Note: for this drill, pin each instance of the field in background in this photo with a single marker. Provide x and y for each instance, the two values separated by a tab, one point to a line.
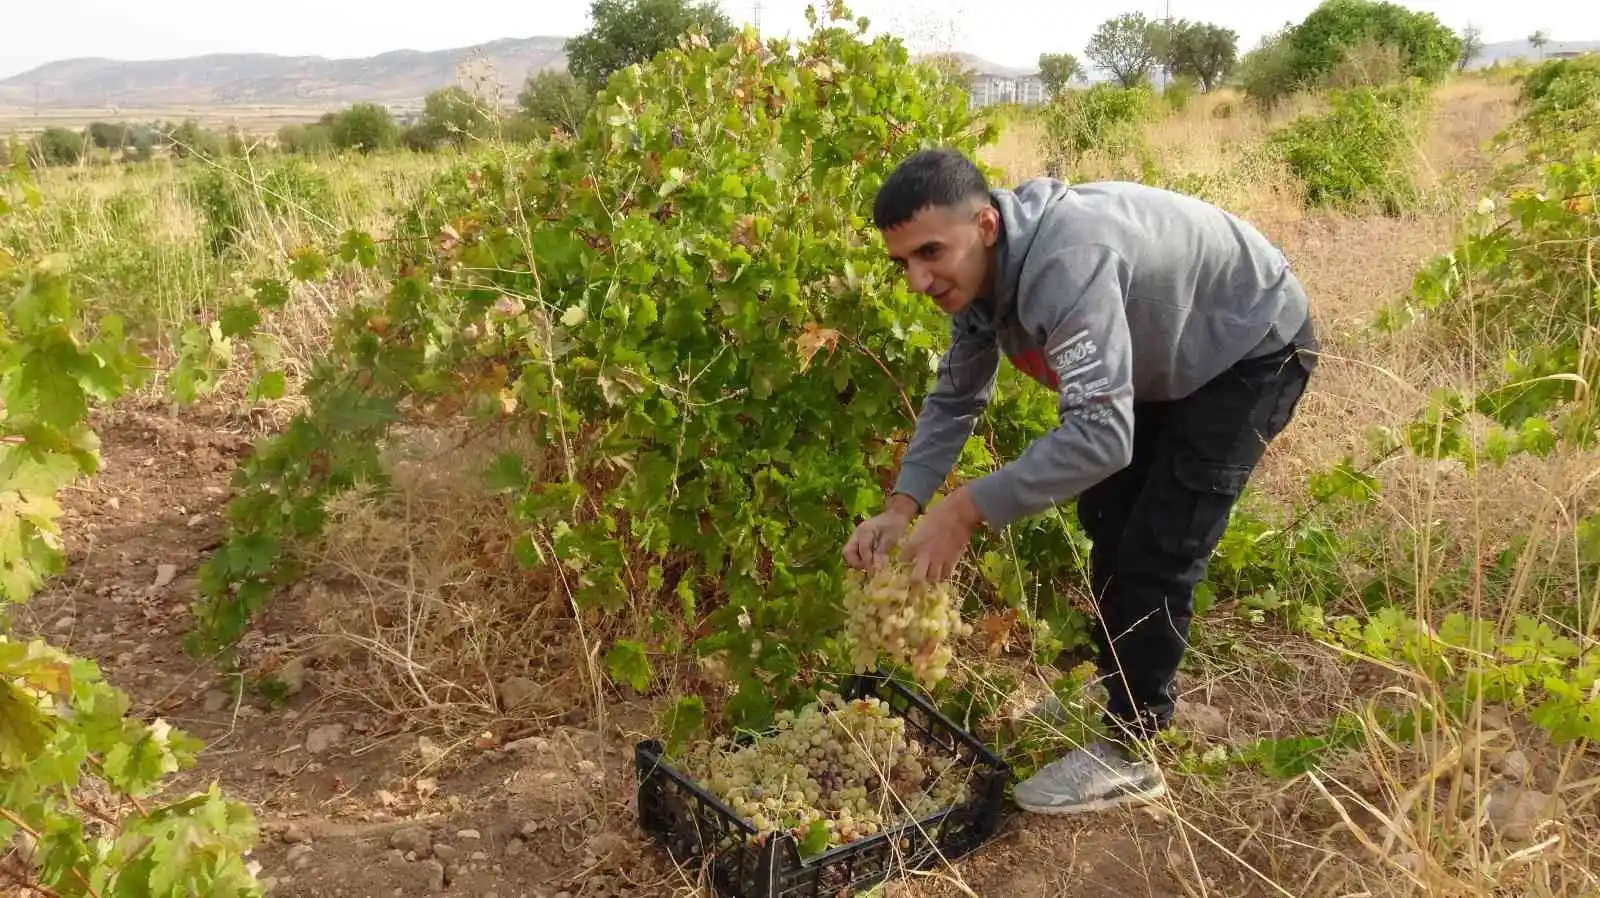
419	708
249	119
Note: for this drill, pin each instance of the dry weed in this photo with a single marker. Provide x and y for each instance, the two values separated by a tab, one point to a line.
424	611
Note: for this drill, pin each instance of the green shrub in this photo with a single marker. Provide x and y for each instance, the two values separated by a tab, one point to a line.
1428	49
1560	81
1356	152
1104	118
367	127
1266	74
1562	99
1179	93
58	146
315	139
236	197
554	99
521	129
420	139
190	139
1368	63
1349	43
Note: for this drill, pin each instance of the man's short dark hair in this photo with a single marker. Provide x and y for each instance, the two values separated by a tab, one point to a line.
938	177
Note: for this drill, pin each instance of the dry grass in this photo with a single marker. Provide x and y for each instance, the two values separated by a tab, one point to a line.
1470	113
138	238
420	607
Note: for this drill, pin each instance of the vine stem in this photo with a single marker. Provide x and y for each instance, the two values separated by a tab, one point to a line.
19	823
911	410
100	768
23	878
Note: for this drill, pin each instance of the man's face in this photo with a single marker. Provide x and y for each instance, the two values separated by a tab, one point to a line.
944	251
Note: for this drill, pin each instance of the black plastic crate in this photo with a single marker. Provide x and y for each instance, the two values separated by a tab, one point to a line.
692	823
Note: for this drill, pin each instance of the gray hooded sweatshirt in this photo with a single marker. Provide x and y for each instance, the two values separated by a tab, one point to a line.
1109	293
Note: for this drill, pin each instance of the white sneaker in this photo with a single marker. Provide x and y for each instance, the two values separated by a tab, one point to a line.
1095	778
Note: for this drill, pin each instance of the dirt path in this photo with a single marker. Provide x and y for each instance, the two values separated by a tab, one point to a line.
353	803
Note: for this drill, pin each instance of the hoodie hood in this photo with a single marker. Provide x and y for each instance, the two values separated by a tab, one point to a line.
1021	211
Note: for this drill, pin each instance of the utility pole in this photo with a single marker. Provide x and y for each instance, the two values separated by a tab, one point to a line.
755	14
1166	66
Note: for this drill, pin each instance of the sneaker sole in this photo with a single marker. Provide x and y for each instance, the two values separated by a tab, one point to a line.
1099	804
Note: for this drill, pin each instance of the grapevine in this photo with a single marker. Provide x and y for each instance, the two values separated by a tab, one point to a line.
843	768
889	614
80	780
686	307
1533	241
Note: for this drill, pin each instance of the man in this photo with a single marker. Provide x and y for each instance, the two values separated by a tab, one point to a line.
1179	343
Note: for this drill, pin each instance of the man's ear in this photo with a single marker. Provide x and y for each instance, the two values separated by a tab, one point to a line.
989	224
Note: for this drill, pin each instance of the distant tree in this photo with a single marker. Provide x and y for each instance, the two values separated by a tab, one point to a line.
1125	46
554	99
1200	50
1428	50
367	127
58	146
1539	39
190	139
1471	47
521	129
315	139
625	32
419	139
1057	70
235	143
142	149
452	115
110	135
1267	73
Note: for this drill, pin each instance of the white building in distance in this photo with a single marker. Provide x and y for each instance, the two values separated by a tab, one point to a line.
992	84
990	88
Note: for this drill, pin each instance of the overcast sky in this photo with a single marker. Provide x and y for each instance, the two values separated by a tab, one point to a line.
1010	32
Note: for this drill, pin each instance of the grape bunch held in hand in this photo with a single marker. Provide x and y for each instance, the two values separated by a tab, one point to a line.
890	614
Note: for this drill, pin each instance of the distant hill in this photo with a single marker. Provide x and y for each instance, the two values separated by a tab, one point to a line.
1508	51
982	66
402	77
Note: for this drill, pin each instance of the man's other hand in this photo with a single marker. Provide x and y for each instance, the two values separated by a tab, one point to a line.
869	546
942	537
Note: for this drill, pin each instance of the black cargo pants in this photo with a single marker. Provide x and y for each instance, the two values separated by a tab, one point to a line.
1155	523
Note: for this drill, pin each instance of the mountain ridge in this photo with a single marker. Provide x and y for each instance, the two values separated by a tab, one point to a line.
400	77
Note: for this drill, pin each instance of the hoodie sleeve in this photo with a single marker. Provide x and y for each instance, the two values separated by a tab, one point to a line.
965	383
1075	298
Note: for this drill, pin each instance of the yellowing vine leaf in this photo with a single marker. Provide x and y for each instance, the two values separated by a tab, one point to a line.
812	340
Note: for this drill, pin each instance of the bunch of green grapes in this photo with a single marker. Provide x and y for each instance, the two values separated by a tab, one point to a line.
890	615
841	769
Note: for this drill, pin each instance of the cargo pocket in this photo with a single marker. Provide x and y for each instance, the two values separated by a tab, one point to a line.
1205	494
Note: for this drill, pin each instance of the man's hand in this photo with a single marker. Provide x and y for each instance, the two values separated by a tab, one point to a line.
869	546
942	537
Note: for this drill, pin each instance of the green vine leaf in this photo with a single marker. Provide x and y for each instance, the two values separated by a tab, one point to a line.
629	664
